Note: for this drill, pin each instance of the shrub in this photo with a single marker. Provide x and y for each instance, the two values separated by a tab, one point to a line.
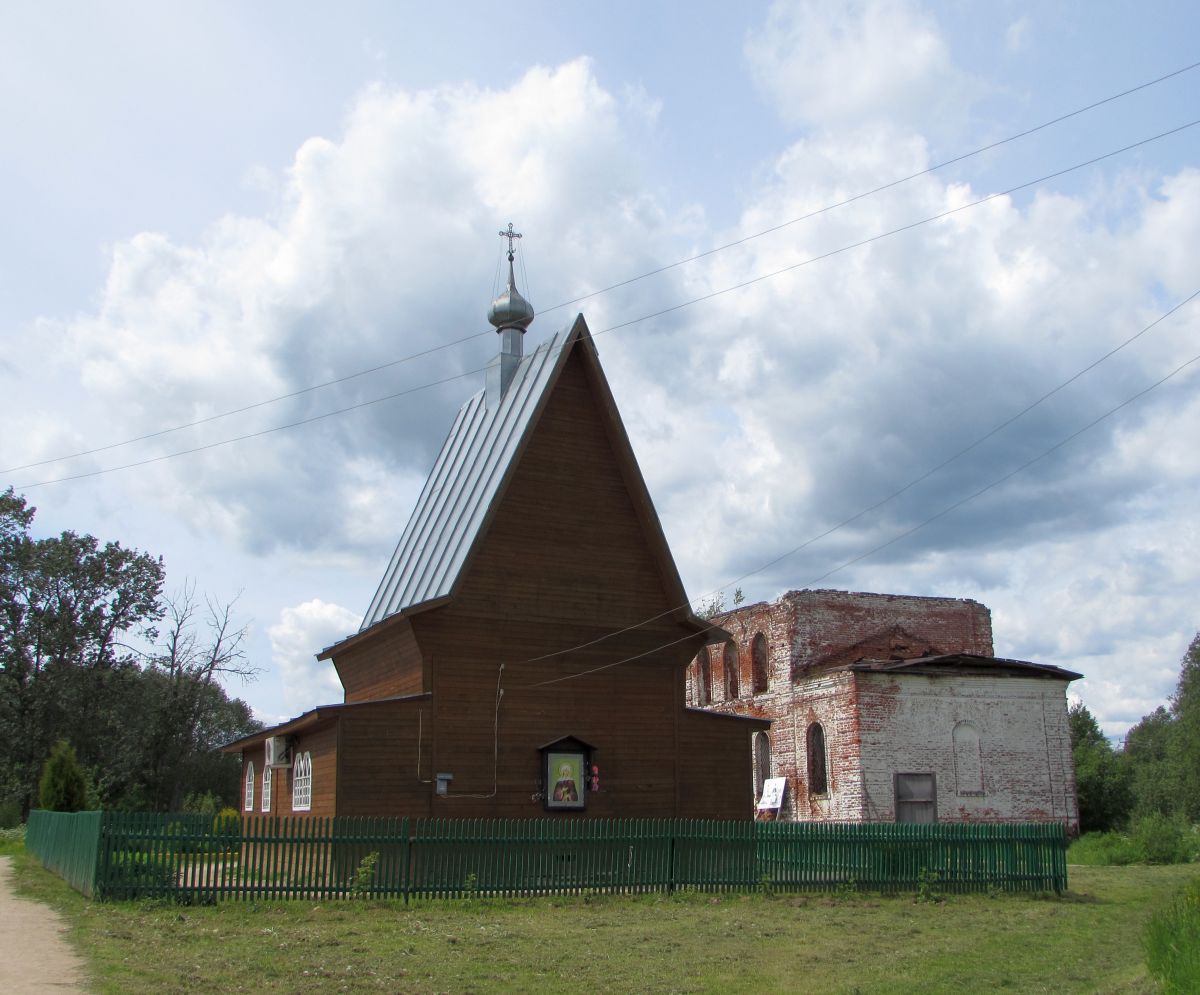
207	803
12	839
132	874
1103	849
1164	839
1172	943
63	787
10	813
364	875
228	821
1153	839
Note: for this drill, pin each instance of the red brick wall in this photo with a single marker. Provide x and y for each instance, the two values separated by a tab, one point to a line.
829	622
810	636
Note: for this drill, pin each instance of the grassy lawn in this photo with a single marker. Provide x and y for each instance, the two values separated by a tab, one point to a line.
1087	941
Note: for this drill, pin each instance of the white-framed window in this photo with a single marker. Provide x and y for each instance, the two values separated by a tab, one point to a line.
302	782
266	789
248	801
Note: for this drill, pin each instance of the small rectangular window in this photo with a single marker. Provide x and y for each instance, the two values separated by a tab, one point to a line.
916	798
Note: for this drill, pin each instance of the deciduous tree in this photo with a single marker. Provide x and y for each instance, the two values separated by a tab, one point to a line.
75	618
1101	778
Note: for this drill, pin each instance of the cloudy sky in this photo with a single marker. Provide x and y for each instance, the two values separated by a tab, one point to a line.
211	205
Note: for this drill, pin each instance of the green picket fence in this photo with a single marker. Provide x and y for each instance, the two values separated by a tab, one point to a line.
66	843
115	855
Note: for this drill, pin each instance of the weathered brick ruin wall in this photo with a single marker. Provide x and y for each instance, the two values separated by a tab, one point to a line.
802	629
773	622
828	622
828	699
907	726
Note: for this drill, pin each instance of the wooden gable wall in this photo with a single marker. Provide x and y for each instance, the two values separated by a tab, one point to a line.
565	541
566	559
388	664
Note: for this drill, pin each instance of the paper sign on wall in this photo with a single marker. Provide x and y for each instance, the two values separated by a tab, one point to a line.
772	796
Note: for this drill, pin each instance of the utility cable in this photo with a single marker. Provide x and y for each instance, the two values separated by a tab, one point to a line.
623	283
253	435
879	189
645	317
251	407
907	532
880	503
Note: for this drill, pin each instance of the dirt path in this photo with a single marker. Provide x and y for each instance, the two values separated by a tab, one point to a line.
36	958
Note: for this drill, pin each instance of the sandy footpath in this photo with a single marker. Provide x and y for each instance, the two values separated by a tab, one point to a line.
34	956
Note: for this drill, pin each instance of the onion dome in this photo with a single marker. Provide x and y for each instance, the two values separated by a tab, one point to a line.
510	309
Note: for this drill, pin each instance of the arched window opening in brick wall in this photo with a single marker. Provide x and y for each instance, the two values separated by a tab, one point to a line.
762	763
758	663
818	776
968	762
248	800
731	671
703	677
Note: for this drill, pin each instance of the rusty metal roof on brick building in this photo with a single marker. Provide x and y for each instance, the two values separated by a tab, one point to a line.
964	662
463	483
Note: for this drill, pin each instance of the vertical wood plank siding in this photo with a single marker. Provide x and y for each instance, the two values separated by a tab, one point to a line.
193	859
564	561
391	664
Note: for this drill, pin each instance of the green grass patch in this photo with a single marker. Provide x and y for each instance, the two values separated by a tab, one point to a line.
1152	839
1104	850
1086	941
1173	943
12	840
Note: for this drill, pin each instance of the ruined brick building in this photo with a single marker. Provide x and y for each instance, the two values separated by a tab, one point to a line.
892	708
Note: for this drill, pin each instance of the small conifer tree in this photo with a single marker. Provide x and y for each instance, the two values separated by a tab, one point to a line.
63	787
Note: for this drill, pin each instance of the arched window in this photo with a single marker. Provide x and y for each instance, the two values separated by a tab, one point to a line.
758	662
731	671
818	777
762	763
248	800
703	677
968	763
302	782
266	792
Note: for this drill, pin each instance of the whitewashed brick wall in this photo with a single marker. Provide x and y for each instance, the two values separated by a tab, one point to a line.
907	724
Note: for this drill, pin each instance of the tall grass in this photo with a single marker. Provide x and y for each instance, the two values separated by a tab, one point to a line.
1173	943
1152	839
12	840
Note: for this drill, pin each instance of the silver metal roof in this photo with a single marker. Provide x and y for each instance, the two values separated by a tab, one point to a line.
462	486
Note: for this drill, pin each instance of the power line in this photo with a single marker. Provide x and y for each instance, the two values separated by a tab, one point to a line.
879	189
907	532
253	435
883	501
646	317
654	272
654	314
250	407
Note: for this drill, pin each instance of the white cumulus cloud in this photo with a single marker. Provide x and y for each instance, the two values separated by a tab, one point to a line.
301	632
851	60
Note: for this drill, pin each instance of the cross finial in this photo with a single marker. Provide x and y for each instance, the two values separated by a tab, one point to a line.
510	235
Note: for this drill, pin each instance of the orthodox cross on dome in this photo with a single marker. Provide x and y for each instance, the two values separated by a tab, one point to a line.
510	235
